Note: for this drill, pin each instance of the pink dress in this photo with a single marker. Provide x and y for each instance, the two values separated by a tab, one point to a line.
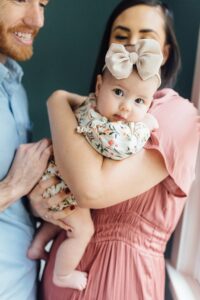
124	259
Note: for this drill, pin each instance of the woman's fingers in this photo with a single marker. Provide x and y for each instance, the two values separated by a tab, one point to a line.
57	200
42	206
56	218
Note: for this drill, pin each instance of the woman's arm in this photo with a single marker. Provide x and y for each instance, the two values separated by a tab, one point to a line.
95	181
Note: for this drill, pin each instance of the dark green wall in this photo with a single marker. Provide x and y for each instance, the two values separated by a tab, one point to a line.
187	21
65	53
66	49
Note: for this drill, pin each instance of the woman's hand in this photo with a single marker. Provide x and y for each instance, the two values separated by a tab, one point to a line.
40	205
28	166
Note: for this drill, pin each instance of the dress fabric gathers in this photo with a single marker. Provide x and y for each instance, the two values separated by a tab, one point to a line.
124	259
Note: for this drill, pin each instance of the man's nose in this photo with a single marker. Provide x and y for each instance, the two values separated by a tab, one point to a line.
34	16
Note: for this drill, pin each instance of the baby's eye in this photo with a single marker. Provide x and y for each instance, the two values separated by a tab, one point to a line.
139	101
118	92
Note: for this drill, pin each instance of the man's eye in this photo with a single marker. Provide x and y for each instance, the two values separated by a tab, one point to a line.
139	101
119	92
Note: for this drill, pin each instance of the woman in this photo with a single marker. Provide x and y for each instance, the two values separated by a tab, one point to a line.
127	26
124	259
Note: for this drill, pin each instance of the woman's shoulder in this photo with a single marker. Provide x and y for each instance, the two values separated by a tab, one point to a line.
169	107
168	98
177	119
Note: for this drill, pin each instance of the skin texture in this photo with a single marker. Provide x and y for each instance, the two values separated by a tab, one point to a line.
101	172
20	22
134	27
117	100
21	17
39	206
131	25
90	193
22	176
123	100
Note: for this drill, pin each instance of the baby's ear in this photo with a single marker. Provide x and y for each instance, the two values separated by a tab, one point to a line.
98	85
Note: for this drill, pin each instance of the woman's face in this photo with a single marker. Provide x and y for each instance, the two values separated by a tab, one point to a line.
140	22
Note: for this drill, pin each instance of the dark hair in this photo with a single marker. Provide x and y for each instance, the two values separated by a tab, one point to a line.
170	69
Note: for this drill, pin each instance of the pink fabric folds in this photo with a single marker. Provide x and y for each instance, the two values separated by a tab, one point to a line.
124	259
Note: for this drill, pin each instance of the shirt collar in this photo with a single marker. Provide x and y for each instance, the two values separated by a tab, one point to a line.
11	69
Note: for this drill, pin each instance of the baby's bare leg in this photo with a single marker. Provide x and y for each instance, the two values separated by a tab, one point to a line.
46	232
71	250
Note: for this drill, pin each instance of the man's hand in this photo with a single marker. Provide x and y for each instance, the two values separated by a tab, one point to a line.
27	168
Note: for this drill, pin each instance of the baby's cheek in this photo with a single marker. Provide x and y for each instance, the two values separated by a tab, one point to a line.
139	115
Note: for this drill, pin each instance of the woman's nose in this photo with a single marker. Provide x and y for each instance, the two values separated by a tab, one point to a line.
131	42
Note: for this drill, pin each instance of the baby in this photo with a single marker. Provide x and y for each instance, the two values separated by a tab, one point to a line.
116	122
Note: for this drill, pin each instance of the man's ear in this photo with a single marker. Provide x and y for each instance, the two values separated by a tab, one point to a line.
98	85
166	53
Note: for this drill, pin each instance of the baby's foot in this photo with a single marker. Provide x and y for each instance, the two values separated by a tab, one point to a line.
75	280
36	252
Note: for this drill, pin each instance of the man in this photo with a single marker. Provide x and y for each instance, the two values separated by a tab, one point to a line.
21	164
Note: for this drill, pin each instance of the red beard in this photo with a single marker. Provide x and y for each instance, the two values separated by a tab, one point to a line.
11	48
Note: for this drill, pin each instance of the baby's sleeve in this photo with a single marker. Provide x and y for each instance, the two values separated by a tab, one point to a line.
177	141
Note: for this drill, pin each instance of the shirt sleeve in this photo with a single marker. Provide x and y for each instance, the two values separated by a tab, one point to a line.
177	141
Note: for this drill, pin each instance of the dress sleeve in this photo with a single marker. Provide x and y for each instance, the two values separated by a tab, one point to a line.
177	140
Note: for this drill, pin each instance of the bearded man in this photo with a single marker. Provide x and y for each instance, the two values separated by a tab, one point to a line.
21	164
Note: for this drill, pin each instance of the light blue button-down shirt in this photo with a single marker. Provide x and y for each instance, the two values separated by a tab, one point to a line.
17	273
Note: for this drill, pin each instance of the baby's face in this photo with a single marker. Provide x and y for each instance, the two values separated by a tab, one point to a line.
125	100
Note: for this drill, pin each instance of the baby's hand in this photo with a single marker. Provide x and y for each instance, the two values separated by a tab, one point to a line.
150	122
75	100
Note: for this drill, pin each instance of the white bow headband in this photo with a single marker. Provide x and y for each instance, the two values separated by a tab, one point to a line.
146	55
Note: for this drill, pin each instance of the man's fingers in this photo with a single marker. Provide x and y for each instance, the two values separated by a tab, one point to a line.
43	144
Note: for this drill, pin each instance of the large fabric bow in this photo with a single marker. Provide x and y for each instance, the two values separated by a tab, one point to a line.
146	55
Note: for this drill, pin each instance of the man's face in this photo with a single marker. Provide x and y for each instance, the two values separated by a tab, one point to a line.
20	21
